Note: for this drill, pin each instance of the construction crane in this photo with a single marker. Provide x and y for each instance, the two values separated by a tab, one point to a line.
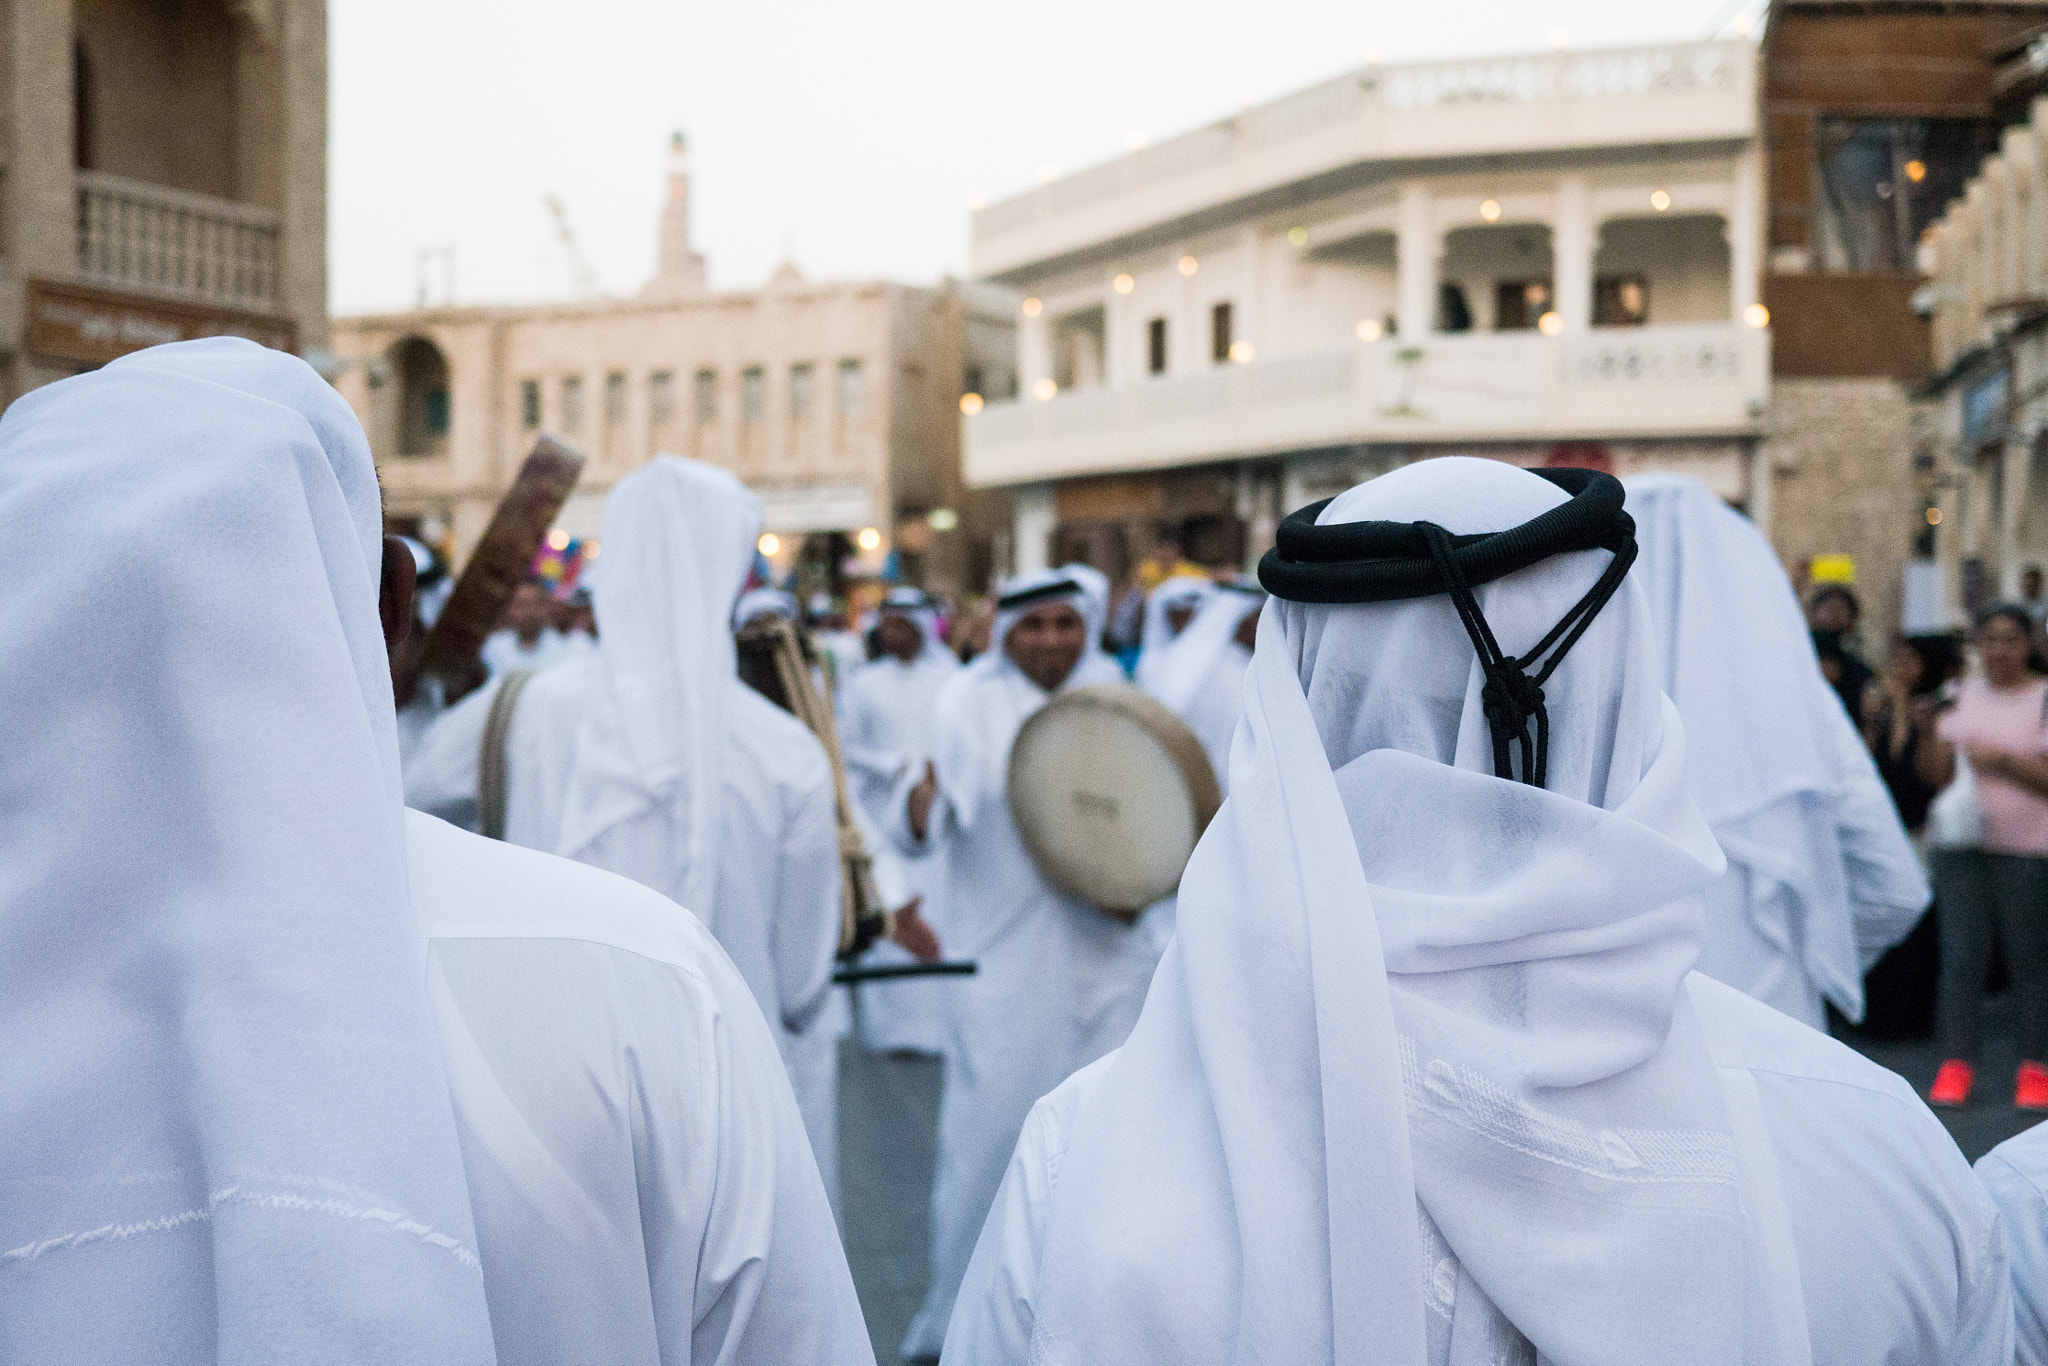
587	286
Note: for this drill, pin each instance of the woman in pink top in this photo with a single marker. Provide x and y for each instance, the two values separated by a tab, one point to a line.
2000	722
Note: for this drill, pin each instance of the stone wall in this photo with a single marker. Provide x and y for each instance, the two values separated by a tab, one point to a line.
1840	452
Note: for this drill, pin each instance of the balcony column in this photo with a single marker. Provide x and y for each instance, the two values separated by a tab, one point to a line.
1032	517
1744	230
1417	249
1034	352
1117	339
1251	291
1573	240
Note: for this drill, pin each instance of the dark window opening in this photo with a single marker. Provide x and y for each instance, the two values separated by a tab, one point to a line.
1220	333
529	403
1621	301
82	123
1517	304
1881	183
423	404
1453	314
1155	347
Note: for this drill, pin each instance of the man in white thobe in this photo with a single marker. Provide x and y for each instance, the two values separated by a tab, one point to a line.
654	760
1199	675
528	639
886	709
1425	1079
2016	1174
358	1088
1168	610
1059	982
1821	878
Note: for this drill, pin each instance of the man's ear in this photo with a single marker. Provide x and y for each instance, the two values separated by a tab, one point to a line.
395	593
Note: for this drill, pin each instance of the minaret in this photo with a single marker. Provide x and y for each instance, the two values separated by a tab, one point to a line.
680	270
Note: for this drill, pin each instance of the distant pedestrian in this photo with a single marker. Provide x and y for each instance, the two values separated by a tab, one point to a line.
1995	739
1899	722
1832	613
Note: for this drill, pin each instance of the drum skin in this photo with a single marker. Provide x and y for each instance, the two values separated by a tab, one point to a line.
1110	791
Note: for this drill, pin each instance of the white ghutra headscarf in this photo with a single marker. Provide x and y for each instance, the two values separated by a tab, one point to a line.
1418	1079
225	1133
678	545
1771	738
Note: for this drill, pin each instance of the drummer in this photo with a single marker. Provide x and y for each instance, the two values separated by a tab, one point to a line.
1059	982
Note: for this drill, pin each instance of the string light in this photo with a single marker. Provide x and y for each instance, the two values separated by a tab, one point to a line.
1298	236
1241	352
1187	265
770	544
970	404
1550	324
1044	390
868	539
1123	284
1033	307
1369	330
1489	209
1660	200
1756	315
558	539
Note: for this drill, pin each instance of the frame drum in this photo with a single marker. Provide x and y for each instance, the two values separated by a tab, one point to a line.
1110	791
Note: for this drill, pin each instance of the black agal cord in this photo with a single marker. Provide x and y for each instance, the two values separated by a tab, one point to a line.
1358	562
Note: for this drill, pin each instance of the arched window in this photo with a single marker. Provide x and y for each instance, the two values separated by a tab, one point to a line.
422	374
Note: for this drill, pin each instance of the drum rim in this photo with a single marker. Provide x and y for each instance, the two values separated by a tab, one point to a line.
1158	721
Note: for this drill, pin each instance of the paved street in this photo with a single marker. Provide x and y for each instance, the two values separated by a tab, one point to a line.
888	1120
1990	1119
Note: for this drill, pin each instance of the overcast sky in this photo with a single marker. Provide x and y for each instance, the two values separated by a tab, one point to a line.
847	135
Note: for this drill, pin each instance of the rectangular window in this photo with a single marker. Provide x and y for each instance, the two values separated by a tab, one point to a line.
707	396
572	403
529	404
853	394
661	397
1155	347
800	386
615	399
1881	182
1220	336
753	393
1517	304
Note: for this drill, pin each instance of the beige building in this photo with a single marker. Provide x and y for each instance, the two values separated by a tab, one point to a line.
837	402
1548	259
1984	419
165	175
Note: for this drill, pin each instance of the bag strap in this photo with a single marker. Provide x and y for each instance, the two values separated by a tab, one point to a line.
490	767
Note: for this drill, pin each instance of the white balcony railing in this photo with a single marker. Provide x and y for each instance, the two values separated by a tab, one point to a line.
1707	379
157	240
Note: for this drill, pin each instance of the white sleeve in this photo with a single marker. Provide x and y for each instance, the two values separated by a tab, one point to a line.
768	1281
996	1308
2023	1213
1887	887
441	777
